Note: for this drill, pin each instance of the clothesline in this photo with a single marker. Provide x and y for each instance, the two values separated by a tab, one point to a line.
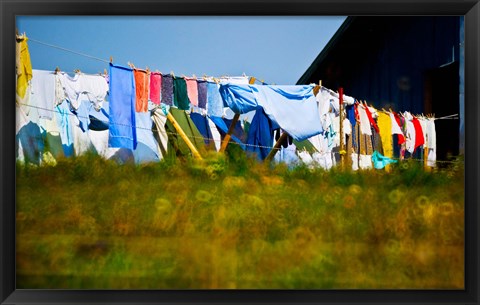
448	117
200	138
106	61
68	50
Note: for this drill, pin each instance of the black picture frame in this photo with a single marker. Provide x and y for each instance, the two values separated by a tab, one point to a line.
11	8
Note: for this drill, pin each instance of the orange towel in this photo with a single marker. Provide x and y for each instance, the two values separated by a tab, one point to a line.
141	89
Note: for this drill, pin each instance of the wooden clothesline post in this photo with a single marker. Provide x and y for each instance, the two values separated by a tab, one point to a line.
276	147
185	138
226	140
342	148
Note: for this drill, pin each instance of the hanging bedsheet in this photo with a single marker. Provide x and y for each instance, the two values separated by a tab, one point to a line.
293	108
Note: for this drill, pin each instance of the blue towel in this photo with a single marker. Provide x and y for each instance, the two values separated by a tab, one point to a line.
122	131
380	161
293	108
350	109
63	116
214	100
201	123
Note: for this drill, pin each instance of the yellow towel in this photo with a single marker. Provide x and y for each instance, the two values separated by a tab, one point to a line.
24	67
385	125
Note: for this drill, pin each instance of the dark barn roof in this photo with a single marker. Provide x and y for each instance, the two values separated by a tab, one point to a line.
384	59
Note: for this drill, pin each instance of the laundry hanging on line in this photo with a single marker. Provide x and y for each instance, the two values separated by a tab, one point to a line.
184	98
330	131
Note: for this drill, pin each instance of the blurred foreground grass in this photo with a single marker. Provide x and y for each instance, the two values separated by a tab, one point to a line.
90	223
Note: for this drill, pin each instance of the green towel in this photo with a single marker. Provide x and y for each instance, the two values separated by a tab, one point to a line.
180	96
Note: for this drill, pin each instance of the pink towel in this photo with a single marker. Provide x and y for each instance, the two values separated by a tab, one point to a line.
192	90
155	85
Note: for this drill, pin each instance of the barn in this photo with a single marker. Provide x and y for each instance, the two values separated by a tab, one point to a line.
406	63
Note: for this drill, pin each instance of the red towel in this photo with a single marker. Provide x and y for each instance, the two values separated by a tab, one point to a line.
419	138
372	121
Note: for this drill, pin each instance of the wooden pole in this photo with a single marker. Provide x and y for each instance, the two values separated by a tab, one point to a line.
276	147
226	140
342	147
179	129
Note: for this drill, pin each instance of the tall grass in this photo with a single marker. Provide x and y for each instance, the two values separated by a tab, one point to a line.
231	222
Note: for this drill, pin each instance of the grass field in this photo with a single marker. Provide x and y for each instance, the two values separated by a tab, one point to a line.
90	223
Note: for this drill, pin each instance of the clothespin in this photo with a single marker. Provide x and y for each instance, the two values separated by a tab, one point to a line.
77	71
320	83
104	71
194	76
20	37
252	80
172	74
57	69
111	59
148	70
131	65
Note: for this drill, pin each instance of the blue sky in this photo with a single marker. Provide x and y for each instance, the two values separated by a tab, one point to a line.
275	49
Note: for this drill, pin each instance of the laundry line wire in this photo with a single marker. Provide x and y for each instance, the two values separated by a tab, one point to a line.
448	117
100	59
201	138
68	50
